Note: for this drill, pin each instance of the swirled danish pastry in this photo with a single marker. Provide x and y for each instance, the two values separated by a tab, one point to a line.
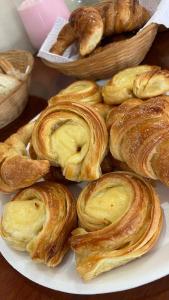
119	220
72	136
83	91
17	170
122	86
39	220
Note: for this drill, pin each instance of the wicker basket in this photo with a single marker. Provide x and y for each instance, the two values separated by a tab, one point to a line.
121	54
12	105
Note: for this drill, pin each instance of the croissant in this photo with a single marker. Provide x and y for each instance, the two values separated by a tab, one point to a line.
90	24
72	136
16	169
139	136
83	91
39	220
119	220
120	87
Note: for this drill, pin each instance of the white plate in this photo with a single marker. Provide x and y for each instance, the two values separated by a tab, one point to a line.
149	267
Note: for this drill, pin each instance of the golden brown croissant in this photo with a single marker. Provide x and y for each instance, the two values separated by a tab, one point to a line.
72	136
139	136
119	220
120	87
90	24
16	169
83	91
39	220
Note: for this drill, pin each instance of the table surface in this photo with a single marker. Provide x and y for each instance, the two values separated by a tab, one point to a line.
14	286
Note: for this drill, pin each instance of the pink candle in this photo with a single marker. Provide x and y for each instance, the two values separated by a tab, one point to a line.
38	17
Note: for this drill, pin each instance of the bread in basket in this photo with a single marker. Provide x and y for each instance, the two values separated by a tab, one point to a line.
13	103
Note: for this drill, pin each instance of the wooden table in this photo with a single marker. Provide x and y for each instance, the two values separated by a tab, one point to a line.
14	286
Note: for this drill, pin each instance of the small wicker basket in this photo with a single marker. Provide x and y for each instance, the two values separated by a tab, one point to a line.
118	56
12	105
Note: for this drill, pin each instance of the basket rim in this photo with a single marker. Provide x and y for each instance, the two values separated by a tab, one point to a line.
86	60
13	92
18	52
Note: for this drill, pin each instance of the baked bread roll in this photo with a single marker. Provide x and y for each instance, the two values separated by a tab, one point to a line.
88	25
8	84
83	91
72	136
17	170
139	136
120	87
39	220
119	220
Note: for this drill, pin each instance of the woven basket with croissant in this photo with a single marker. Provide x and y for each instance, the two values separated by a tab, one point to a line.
116	21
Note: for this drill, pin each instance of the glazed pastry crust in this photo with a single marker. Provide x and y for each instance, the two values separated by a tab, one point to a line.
17	170
82	91
90	24
71	135
120	87
112	233
139	137
49	243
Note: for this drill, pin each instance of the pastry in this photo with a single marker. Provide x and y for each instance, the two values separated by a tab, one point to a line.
139	136
72	136
39	220
120	87
89	25
119	220
8	84
17	170
9	69
151	84
103	109
127	105
83	91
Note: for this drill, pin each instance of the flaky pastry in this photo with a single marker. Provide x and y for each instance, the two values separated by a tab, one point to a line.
39	220
119	220
120	87
83	91
17	170
88	25
139	136
72	136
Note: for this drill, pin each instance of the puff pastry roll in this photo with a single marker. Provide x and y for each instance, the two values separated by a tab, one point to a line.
39	220
120	87
72	136
17	170
83	91
151	84
119	220
139	136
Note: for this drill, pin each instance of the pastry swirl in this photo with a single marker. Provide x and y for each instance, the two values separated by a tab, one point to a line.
120	87
119	220
72	136
17	170
139	136
39	220
83	91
